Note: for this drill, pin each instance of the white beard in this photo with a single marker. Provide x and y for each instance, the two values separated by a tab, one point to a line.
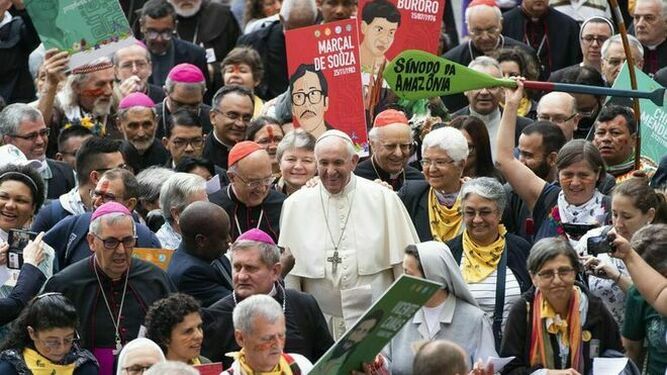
101	108
188	12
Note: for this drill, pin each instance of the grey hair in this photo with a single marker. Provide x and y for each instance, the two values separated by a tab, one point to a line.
650	243
485	62
169	86
270	254
258	305
95	226
616	38
67	96
114	56
549	248
661	2
288	6
487	188
176	192
14	114
295	140
447	139
469	10
171	368
150	182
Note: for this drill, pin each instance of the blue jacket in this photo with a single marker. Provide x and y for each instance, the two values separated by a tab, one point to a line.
48	216
68	239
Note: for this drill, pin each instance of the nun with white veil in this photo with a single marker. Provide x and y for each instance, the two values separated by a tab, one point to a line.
138	356
452	313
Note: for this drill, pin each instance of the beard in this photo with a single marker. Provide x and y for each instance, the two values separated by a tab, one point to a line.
102	107
188	12
143	144
542	170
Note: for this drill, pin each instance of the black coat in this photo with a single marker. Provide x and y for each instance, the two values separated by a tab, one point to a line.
463	54
269	42
247	217
518	329
186	52
216	152
18	39
156	154
414	195
367	170
307	332
562	40
517	253
62	180
164	117
199	278
660	177
29	283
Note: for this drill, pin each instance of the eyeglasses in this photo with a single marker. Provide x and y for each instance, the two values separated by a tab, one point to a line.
235	116
164	34
479	32
55	344
103	195
563	273
33	136
439	163
314	97
128	65
556	119
256	184
196	142
391	147
136	369
589	39
482	213
111	243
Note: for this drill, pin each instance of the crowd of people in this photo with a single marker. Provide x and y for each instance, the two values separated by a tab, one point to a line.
178	215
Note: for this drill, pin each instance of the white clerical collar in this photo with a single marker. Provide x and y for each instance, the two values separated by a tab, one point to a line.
490	118
7	18
219	141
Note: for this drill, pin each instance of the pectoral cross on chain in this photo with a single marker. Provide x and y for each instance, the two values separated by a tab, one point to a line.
335	260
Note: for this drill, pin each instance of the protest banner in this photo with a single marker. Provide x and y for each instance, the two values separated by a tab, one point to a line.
324	60
159	257
377	326
418	75
388	27
87	29
653	117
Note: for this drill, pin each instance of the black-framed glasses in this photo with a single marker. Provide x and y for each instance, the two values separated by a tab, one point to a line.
556	119
111	243
255	184
563	273
33	136
103	195
164	34
313	96
594	38
196	142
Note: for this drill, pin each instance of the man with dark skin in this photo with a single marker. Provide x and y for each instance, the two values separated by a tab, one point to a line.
199	266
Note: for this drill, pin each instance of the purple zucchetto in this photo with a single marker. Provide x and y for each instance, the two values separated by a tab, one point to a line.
257	235
136	99
109	208
186	73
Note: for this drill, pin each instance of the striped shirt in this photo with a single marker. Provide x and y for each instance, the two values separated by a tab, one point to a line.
485	294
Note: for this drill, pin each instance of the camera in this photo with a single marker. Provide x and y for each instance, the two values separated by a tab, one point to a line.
18	240
602	243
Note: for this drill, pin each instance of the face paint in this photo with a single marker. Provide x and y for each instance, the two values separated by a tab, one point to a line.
269	130
93	92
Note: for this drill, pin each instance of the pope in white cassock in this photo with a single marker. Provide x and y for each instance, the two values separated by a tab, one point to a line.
347	235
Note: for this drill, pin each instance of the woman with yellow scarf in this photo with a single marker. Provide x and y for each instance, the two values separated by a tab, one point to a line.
557	325
492	261
43	341
259	329
435	205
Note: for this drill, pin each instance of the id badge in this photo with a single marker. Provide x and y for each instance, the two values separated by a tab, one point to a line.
210	56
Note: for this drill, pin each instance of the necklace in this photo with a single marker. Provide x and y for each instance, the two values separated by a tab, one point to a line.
279	286
335	259
116	322
236	219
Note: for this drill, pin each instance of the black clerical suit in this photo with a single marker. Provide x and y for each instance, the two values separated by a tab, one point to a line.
62	179
216	152
269	42
164	117
307	332
244	218
371	171
156	154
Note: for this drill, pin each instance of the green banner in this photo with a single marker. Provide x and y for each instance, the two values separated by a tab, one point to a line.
417	75
377	326
653	118
87	29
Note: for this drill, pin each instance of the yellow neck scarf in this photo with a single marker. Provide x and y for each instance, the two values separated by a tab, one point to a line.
445	222
195	361
40	365
282	368
480	261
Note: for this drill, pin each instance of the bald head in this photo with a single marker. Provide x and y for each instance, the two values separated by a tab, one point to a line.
205	229
298	13
561	109
440	357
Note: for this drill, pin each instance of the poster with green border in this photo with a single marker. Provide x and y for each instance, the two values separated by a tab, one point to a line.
87	29
653	119
377	326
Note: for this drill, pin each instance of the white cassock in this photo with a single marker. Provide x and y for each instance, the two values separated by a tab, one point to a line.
371	246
